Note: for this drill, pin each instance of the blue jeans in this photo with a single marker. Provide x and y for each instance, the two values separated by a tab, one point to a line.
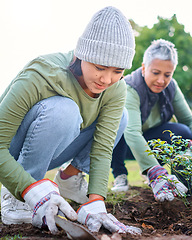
123	152
50	135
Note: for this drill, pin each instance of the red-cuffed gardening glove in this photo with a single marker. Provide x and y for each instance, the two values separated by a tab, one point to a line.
94	215
44	198
164	186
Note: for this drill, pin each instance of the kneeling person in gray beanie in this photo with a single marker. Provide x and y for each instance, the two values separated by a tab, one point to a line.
66	107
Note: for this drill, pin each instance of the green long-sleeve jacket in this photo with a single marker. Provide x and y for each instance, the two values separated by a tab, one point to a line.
48	76
134	131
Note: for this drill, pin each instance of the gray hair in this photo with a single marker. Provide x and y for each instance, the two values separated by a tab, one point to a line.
160	49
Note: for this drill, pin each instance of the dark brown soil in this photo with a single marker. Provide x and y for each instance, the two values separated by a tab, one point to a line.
158	221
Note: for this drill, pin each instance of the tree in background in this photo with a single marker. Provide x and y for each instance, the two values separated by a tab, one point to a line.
171	30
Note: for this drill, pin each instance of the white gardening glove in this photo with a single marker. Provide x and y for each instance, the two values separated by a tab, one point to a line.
164	186
94	215
44	198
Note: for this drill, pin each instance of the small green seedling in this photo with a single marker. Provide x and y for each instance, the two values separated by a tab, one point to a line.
177	155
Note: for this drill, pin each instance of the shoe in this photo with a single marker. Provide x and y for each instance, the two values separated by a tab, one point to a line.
120	184
14	211
74	188
145	179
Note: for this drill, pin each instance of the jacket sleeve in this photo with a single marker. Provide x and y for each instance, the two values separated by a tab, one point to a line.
104	138
133	133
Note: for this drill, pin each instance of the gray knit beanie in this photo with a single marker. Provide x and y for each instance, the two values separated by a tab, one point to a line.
108	40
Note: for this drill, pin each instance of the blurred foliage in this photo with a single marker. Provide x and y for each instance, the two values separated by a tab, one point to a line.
171	30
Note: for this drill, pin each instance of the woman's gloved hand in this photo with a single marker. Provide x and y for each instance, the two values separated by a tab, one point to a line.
44	198
164	186
94	215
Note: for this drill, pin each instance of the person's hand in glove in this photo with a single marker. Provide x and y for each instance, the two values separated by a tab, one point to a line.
164	186
44	198
93	214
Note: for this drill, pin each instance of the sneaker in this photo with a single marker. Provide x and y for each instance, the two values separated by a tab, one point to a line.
120	184
145	179
14	211
74	188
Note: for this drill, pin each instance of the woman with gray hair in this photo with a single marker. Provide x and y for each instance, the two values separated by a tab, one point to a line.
153	97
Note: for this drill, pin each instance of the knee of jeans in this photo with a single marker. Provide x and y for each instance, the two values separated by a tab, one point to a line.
63	114
186	132
181	129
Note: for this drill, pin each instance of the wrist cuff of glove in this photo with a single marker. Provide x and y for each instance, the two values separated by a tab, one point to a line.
190	144
92	207
38	191
156	171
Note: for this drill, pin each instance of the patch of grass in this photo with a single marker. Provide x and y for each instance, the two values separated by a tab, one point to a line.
113	197
16	237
